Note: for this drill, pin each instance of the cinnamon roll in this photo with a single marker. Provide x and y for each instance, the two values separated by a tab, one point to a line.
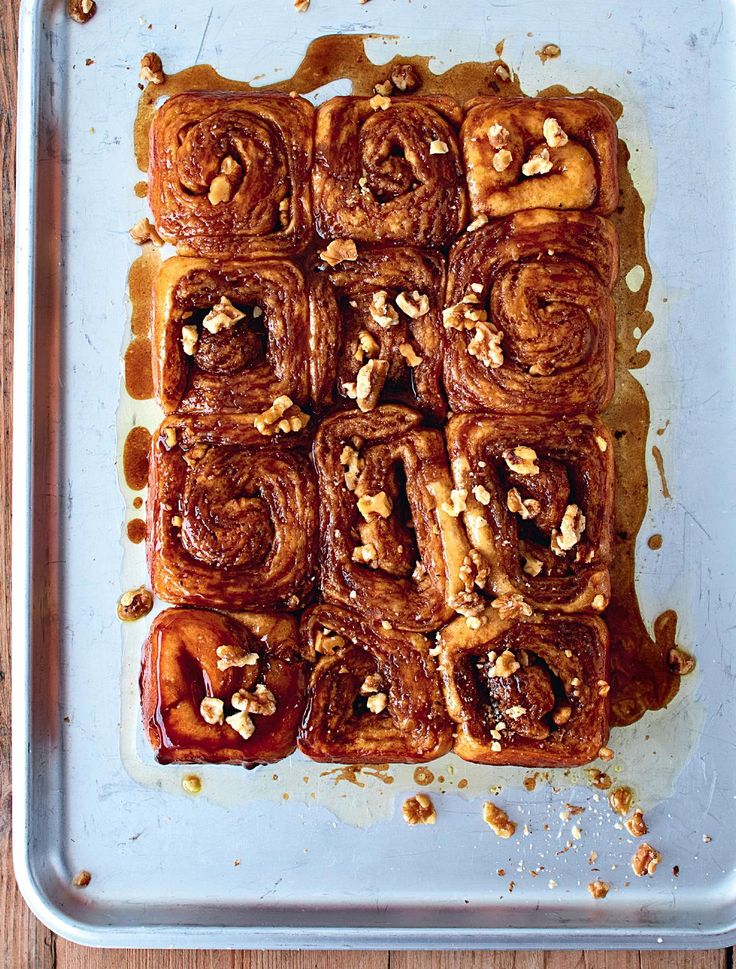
225	689
538	496
374	695
530	321
389	170
232	514
229	173
393	547
539	153
377	329
229	337
531	692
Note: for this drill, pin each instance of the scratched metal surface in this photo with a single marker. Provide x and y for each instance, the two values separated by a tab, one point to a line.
162	863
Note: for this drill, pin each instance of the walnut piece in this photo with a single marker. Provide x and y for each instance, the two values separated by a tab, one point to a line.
530	565
478	222
502	159
438	147
571	528
605	753
414	304
152	70
599	889
82	877
135	604
380	102
485	346
371	684
189	338
353	464
212	710
466	314
261	701
81	10
382	312
505	665
366	554
242	724
222	316
170	438
553	133
561	715
498	136
512	606
367	346
538	164
404	77
339	250
234	656
636	825
384	87
407	352
419	810
376	703
680	662
482	494
620	800
524	508
326	642
522	460
497	819
145	231
221	190
456	504
282	416
369	383
371	505
645	860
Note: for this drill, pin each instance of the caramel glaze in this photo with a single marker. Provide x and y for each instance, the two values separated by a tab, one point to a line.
641	679
135	458
137	530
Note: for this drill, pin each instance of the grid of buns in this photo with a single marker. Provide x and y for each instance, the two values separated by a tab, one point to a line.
381	499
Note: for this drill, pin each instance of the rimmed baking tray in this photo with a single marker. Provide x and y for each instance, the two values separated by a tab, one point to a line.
163	864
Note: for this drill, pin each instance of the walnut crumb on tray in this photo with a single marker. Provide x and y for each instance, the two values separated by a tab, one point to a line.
497	819
419	810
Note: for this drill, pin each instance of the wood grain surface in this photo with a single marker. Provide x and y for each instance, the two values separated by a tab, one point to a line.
24	942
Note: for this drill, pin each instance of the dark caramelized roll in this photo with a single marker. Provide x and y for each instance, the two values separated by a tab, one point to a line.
229	173
222	689
392	547
539	507
374	695
385	307
530	321
530	692
539	153
389	170
229	337
232	515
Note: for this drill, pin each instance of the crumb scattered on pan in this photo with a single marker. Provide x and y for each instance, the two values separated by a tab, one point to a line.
636	825
152	69
598	889
599	778
81	10
82	879
419	810
498	820
548	52
620	800
191	784
145	231
134	604
645	860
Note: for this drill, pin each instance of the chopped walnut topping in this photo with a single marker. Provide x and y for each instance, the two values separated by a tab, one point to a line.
261	701
222	316
478	222
382	311
177	521
221	190
553	133
512	606
134	604
377	702
384	87
473	622
189	338
301	5
353	464
636	825
497	819
645	860
372	684
283	416
404	77
438	147
366	554
234	656
339	250
502	159
680	662
485	346
538	164
524	508
407	352
368	346
599	889
473	571
522	460
505	665
562	715
605	753
371	505
380	102
482	495
81	10
169	437
498	136
212	710
464	315
599	602
145	231
284	213
514	712
530	565
414	304
620	800
602	443
419	810
502	72
152	70
326	642
604	688
571	528
369	383
456	504
242	724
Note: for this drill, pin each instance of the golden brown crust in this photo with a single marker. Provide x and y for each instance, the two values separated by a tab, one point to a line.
237	369
410	194
529	692
229	173
415	579
368	661
584	172
341	299
232	515
544	279
180	668
575	469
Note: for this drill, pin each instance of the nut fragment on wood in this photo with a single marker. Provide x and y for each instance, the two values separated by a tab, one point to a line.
419	810
81	10
152	69
134	604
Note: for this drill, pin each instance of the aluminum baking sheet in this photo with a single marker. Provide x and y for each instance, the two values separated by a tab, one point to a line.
334	865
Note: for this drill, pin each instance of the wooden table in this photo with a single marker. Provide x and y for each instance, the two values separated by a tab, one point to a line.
24	942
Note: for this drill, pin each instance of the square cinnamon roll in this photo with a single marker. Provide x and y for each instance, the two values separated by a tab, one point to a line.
539	153
229	337
389	170
529	692
538	496
229	173
530	322
232	512
222	689
374	695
